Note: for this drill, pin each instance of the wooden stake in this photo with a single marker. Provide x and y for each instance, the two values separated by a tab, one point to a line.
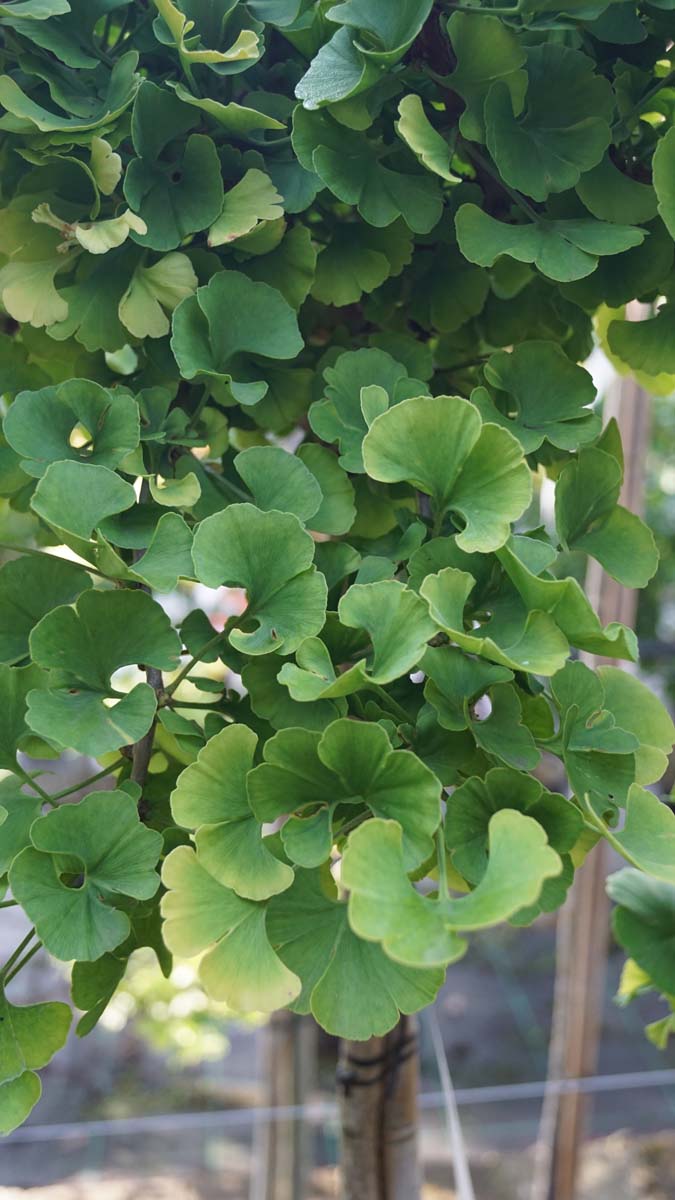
583	924
282	1147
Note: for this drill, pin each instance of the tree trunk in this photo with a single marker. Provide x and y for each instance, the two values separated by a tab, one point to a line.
377	1086
282	1150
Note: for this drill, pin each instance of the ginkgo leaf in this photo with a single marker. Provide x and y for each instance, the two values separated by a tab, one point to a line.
589	518
599	754
663	167
251	200
563	250
647	839
30	1035
644	923
200	914
350	986
83	856
637	709
382	31
486	50
545	395
30	588
16	684
279	480
155	291
418	931
75	497
270	555
83	646
336	512
349	764
20	811
570	608
426	143
338	72
536	645
350	165
439	445
260	322
548	148
210	797
339	417
473	804
77	420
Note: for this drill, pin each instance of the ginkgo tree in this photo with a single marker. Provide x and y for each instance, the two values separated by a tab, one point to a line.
294	298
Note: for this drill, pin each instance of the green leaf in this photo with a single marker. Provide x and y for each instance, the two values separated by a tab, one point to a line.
612	196
29	588
21	810
155	291
398	625
349	163
270	700
439	445
122	85
647	839
550	145
644	923
239	966
77	420
279	480
270	555
91	304
418	931
339	417
473	804
637	709
358	259
599	755
534	644
646	345
557	413
235	118
175	199
383	31
486	50
563	250
84	856
168	558
426	143
18	1098
75	497
663	167
210	797
30	1036
188	36
571	610
350	986
338	72
16	683
350	763
337	511
83	646
289	268
216	331
588	518
250	201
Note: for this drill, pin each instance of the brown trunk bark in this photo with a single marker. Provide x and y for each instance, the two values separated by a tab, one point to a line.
377	1086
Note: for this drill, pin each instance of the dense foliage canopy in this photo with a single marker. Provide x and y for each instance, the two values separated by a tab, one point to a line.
294	294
